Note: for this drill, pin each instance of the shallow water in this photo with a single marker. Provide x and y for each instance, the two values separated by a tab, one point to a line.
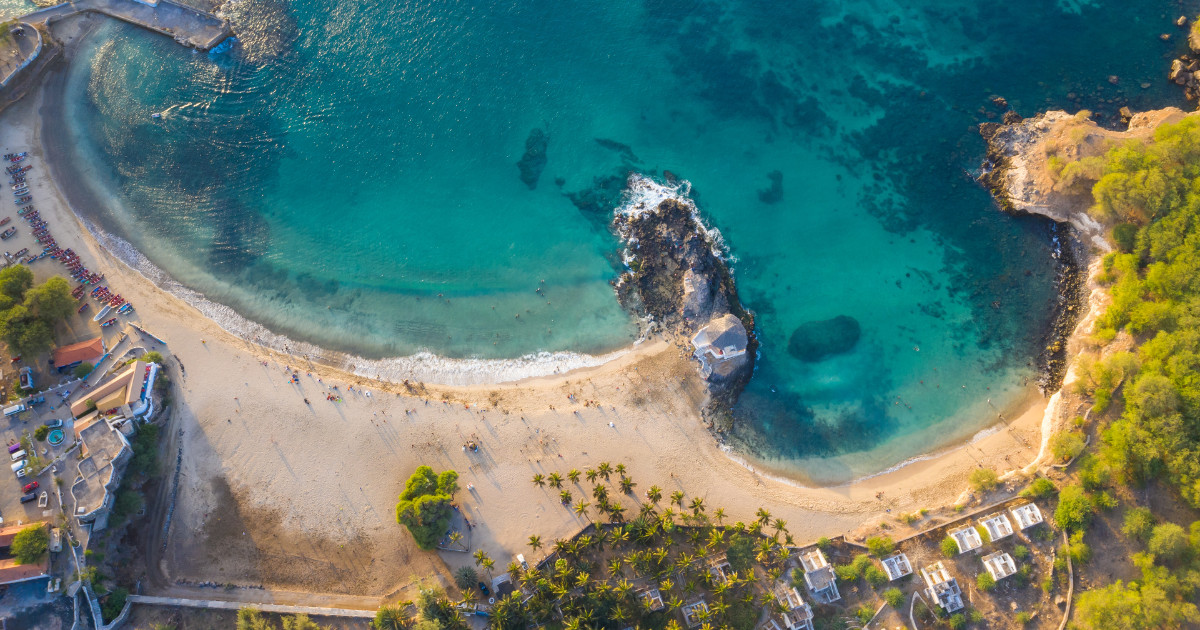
348	175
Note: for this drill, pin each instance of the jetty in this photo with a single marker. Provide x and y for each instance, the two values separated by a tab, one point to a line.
190	27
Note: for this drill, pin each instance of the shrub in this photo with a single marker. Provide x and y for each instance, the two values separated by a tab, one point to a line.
875	576
466	577
1040	488
112	603
390	618
1023	617
864	613
1104	501
880	546
1168	542
1066	445
1138	524
82	370
1074	509
949	547
1078	550
958	621
823	543
894	597
41	432
985	581
1020	552
984	479
153	357
424	506
1125	236
30	544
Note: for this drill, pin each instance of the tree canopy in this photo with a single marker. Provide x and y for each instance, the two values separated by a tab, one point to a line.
424	506
28	313
30	544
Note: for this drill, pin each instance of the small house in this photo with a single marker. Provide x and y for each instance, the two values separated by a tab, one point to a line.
819	576
1000	565
720	570
967	539
695	613
942	588
896	566
1027	515
651	598
997	526
797	614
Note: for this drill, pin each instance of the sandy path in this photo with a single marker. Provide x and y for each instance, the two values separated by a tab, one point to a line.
301	496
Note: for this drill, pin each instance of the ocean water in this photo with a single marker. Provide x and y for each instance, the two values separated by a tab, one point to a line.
389	178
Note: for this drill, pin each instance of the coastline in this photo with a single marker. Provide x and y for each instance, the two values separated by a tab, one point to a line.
647	416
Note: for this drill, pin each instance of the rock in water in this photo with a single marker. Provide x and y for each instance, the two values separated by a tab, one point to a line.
775	192
815	340
534	160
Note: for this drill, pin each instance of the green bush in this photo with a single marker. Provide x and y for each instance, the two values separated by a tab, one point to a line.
1078	550
864	613
1040	488
1168	542
880	546
424	506
894	597
466	577
111	604
41	432
82	370
875	576
30	544
1023	618
1020	552
1138	524
984	480
1125	236
153	357
958	621
1066	445
985	581
1074	509
949	547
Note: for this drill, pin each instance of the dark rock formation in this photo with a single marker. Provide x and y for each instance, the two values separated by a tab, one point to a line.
678	278
775	192
818	339
623	149
533	162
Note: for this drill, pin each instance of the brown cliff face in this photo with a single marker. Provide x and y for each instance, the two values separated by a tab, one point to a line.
678	278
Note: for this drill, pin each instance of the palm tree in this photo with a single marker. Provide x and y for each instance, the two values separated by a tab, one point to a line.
390	618
719	515
488	563
697	505
535	542
763	515
539	480
620	469
600	493
555	480
677	498
654	494
591	475
604	470
779	525
455	536
581	508
565	497
627	485
573	475
480	556
674	603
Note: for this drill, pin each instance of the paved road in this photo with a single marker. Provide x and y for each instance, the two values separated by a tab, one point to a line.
274	608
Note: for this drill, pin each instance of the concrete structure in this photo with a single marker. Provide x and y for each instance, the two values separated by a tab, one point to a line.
10	571
27	45
719	570
967	538
694	613
999	565
104	451
127	394
897	566
1027	515
997	526
651	598
819	577
942	588
796	615
184	24
720	346
76	353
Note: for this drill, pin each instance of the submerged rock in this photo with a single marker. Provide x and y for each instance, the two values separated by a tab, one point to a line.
775	192
533	162
815	340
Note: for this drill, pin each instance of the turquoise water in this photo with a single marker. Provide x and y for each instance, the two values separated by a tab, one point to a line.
348	175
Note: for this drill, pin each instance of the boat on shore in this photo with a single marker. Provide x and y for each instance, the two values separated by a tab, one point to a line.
22	252
8	233
103	312
83	308
109	322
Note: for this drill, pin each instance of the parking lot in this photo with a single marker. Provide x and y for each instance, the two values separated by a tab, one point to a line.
12	428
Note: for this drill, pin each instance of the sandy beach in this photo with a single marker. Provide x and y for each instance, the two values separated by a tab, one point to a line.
301	497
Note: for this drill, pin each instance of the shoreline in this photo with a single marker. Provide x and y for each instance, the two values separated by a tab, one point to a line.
274	466
424	367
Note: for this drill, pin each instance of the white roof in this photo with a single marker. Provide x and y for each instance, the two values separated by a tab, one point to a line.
1000	565
1027	515
967	539
942	587
897	566
997	526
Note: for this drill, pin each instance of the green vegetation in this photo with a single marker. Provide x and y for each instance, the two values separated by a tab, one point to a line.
1074	510
111	604
30	544
1168	542
83	369
390	618
424	506
949	547
465	577
984	480
145	450
985	581
41	432
1040	488
153	357
251	619
28	313
880	546
894	597
1139	522
1066	445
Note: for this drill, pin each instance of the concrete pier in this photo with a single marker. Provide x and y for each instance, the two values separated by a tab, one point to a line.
185	25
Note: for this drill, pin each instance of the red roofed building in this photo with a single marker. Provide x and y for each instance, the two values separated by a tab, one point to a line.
77	353
10	571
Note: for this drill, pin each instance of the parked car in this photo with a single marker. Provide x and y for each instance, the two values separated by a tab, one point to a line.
53	424
21	473
482	588
30	487
26	498
37	401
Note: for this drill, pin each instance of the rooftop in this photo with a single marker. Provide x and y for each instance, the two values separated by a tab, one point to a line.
897	566
101	447
997	526
967	538
126	388
942	587
79	352
1027	515
1000	565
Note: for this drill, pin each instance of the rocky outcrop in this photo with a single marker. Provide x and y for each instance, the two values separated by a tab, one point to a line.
533	162
678	279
